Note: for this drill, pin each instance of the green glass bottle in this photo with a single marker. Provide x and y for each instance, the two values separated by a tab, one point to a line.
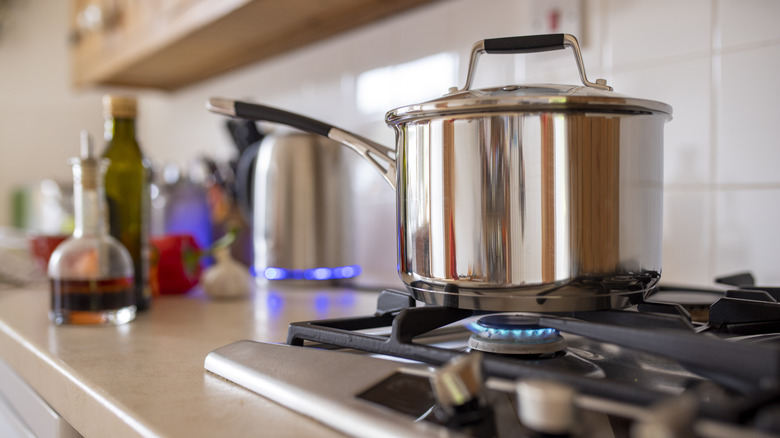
127	189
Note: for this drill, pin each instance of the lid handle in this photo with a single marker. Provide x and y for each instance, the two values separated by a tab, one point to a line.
531	44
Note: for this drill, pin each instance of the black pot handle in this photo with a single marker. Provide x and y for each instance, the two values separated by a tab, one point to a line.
530	44
525	44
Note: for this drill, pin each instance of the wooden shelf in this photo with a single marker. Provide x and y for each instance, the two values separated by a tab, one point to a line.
174	43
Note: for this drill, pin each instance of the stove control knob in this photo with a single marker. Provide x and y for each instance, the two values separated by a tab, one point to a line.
669	418
458	388
545	406
459	383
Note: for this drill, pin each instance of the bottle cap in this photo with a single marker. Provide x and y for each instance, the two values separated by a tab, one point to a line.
123	107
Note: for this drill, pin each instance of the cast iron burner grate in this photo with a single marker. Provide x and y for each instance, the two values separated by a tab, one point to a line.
749	370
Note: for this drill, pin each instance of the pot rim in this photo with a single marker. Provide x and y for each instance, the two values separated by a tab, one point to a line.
527	98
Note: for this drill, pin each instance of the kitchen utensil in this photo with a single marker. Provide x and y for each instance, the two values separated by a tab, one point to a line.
244	133
530	198
298	210
247	139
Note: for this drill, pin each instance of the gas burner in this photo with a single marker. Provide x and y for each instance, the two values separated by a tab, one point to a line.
514	334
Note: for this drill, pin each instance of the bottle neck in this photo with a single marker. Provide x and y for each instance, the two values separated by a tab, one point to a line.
88	205
119	128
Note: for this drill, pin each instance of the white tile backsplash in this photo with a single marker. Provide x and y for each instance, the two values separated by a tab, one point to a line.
748	149
374	232
747	236
641	31
558	68
714	61
748	22
687	230
685	85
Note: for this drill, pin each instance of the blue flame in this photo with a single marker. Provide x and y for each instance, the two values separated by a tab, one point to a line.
337	273
529	335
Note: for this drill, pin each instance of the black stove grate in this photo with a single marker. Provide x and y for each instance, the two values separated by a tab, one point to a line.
750	370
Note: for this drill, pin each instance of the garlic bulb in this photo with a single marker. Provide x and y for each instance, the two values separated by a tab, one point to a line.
226	278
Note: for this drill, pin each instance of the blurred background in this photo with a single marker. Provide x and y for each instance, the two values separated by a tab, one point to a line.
714	61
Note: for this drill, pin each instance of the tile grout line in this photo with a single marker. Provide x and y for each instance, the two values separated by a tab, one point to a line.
606	41
716	49
713	186
760	44
715	83
673	59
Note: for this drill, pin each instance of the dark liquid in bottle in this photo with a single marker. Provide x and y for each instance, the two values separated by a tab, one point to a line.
92	295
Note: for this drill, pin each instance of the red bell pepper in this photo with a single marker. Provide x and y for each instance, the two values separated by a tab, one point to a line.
178	266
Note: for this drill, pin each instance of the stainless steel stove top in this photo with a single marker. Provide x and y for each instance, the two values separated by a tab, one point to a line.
405	372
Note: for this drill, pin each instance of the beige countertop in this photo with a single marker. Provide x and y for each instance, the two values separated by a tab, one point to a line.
147	378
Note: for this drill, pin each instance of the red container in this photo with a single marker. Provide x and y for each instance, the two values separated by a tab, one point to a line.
175	264
41	247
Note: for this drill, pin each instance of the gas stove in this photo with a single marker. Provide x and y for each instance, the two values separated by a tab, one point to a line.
678	362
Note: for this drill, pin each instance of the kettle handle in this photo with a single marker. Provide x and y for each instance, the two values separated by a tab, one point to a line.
530	44
381	157
245	172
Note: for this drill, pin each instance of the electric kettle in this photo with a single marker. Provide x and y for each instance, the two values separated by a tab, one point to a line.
294	189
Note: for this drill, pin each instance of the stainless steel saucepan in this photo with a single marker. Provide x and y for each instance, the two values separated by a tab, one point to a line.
520	197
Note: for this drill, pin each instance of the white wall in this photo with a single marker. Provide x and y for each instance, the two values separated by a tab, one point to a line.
714	61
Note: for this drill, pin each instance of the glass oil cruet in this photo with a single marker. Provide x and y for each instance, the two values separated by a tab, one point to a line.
91	273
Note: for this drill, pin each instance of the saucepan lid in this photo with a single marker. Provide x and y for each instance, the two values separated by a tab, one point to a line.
591	96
